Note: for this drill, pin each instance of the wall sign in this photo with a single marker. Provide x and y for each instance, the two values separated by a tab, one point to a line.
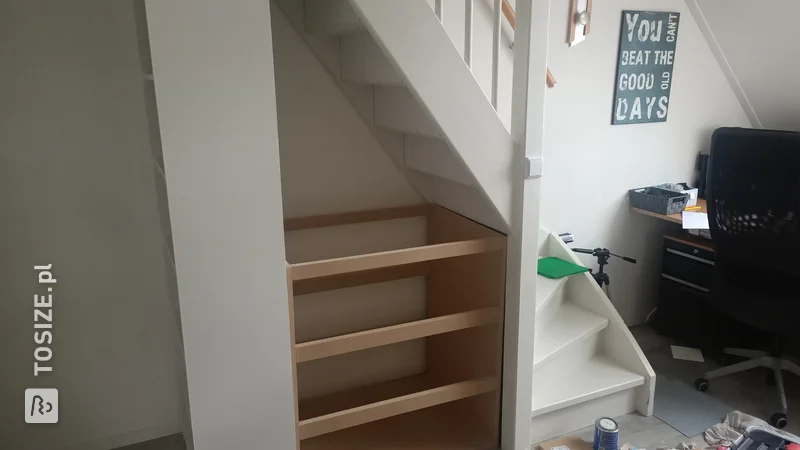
644	71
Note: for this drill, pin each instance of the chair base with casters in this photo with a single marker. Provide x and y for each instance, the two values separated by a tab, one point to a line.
757	359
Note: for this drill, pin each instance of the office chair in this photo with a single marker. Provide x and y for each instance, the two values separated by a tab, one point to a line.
753	195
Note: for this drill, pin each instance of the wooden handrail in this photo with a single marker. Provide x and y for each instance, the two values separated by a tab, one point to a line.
508	11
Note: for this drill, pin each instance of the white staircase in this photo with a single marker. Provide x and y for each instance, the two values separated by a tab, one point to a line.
405	75
421	101
586	362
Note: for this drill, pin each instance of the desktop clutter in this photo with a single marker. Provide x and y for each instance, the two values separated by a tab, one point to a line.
672	199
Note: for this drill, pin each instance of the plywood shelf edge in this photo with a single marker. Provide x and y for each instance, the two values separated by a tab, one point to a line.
352	417
323	348
370	261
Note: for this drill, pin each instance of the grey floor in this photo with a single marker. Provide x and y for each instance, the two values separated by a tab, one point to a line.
173	442
746	392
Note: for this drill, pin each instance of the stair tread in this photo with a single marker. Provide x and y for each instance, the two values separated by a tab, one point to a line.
545	288
571	324
597	378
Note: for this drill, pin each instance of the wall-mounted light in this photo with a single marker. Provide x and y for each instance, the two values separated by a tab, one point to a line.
580	17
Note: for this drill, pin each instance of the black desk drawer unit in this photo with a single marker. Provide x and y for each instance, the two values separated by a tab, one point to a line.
687	265
686	273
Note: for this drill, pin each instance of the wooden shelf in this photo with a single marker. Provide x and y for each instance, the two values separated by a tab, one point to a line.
412	401
436	428
371	261
323	348
455	404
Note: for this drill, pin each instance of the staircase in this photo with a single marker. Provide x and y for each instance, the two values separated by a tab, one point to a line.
439	104
586	362
418	97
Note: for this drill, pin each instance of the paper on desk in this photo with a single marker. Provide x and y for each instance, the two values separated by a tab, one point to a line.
694	220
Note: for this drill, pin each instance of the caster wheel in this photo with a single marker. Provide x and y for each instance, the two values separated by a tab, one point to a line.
701	384
778	420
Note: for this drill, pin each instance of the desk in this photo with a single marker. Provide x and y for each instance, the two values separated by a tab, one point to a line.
676	218
687	265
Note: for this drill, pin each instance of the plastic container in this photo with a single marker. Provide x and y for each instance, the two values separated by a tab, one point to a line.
657	200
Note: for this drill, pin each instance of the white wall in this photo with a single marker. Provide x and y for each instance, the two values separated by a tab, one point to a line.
590	165
215	91
78	192
330	162
759	41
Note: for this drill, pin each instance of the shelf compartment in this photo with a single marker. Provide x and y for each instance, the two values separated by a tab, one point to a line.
455	403
374	403
445	426
370	261
323	348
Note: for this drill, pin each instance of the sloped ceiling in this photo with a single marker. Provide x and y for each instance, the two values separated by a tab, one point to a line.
760	42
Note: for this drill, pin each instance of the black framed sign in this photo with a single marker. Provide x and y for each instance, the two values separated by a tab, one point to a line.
647	44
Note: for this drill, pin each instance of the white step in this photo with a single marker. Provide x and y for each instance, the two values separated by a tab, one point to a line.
597	378
397	109
570	325
331	17
433	156
565	420
364	62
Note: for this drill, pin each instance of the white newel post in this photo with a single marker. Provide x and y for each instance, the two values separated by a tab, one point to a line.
527	130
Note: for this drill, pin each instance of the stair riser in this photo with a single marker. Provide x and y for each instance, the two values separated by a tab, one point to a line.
575	417
434	157
575	338
364	62
331	17
396	109
546	313
567	361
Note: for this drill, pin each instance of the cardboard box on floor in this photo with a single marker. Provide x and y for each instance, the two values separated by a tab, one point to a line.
566	443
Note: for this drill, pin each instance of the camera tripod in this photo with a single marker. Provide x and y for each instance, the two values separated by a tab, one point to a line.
602	254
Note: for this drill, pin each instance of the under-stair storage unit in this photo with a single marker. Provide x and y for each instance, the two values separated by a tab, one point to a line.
453	400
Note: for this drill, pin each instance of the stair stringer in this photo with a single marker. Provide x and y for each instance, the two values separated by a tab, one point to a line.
445	88
465	200
617	343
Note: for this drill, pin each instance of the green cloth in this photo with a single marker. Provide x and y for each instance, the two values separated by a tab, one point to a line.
553	267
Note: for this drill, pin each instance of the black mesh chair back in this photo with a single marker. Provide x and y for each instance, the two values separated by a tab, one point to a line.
753	194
